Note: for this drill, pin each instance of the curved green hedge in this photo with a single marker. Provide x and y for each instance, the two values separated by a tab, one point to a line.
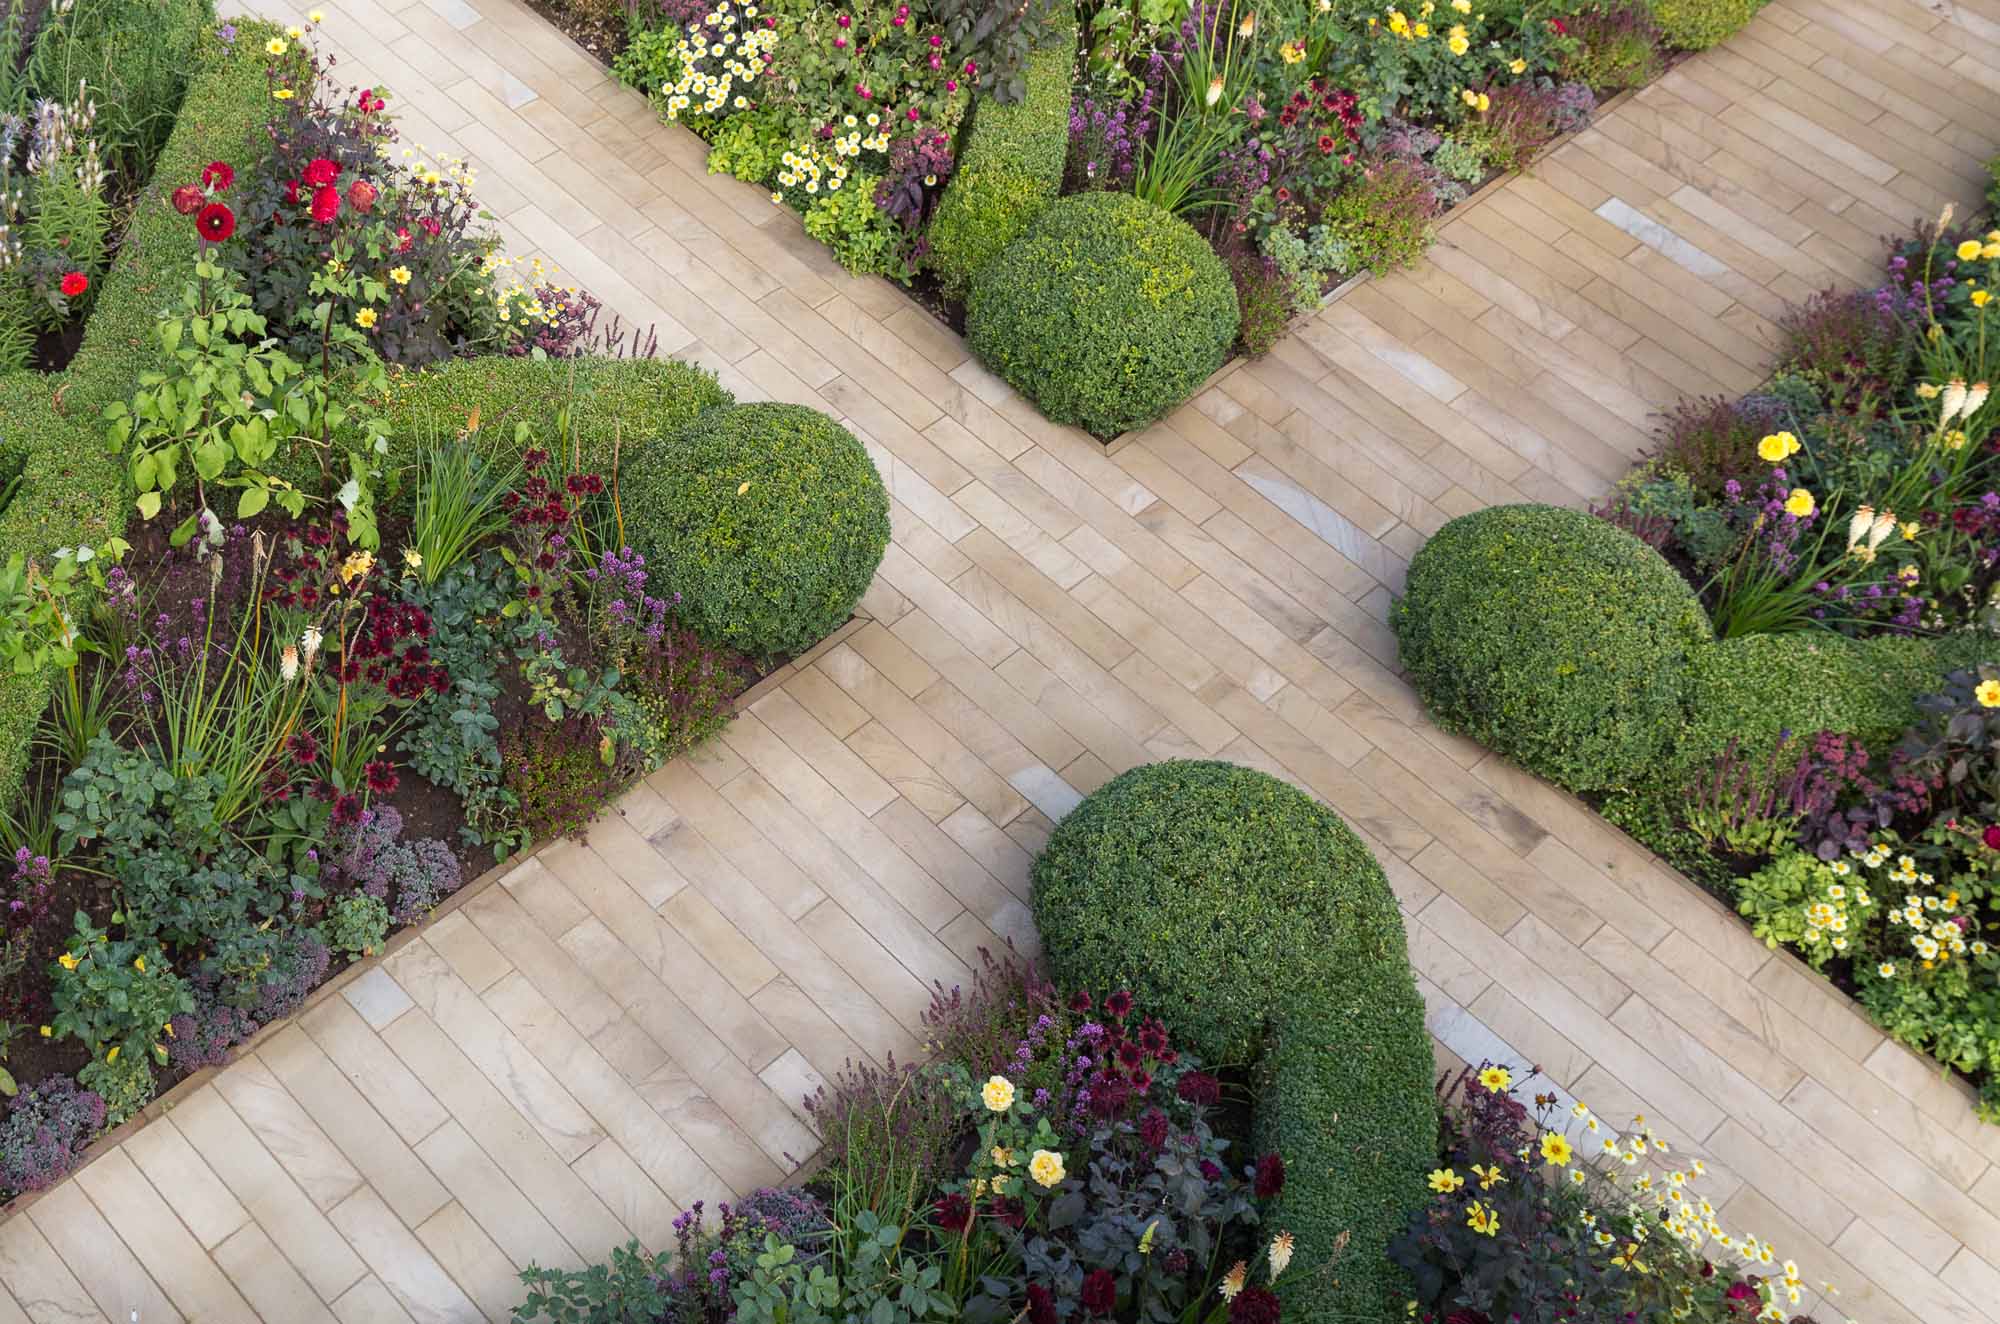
1107	313
1009	169
768	519
71	490
1553	637
1253	921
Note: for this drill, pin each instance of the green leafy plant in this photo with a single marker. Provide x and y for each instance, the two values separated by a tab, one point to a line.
116	998
356	925
457	504
864	238
1107	313
624	1290
1205	118
1696	25
1552	637
769	521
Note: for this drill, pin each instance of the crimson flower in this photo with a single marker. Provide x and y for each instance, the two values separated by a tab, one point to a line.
1255	1305
325	204
218	176
1080	1000
361	196
382	778
1119	1005
367	102
304	749
1100	1292
187	199
1153	1129
1041	1305
1201	1088
74	283
1270	1177
320	172
215	222
954	1212
1006	1209
1991	836
1326	144
346	810
431	227
403	240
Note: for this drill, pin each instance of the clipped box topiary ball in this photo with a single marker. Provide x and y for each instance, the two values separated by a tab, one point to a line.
1258	927
768	519
1107	313
1554	638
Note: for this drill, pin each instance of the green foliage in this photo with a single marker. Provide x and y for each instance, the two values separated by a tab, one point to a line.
1384	219
1775	901
768	520
1263	303
1107	313
453	737
624	1291
1168	881
1463	159
356	925
1747	690
116	998
70	492
1009	169
1552	637
750	147
1306	261
134	57
125	1083
864	238
1696	25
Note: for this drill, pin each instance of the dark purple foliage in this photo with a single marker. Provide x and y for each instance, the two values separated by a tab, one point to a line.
918	167
45	1132
1712	440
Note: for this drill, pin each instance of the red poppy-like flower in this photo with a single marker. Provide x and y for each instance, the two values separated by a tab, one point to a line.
346	810
74	283
215	222
218	176
1041	1305
1080	1000
304	749
320	172
1991	836
1255	1305
1100	1292
187	199
1119	1005
361	196
1270	1177
325	204
954	1212
382	778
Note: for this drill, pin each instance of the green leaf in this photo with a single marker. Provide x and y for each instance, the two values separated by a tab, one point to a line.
253	501
183	531
145	470
149	504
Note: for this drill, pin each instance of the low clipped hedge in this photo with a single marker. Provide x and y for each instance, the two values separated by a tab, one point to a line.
1254	921
1009	169
1553	637
1696	25
769	520
71	490
1107	313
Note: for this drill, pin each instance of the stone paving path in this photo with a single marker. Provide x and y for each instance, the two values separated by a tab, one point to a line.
621	1029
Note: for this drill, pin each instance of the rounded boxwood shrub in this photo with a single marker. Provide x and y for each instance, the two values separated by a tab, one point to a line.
1552	637
768	519
1107	313
1257	925
1696	25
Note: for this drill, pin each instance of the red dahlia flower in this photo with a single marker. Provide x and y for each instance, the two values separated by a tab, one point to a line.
215	222
1100	1292
1255	1305
1270	1177
954	1212
320	172
431	227
403	240
1041	1305
1991	836
1119	1005
325	204
361	196
218	176
74	283
187	199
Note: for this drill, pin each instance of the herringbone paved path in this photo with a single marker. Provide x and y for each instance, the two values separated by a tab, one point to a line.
624	1028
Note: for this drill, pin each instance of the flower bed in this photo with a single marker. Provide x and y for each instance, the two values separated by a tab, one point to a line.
1300	141
361	605
1245	1131
1770	655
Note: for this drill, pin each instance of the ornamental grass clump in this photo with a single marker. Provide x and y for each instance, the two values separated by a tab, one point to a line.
1164	882
1552	637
